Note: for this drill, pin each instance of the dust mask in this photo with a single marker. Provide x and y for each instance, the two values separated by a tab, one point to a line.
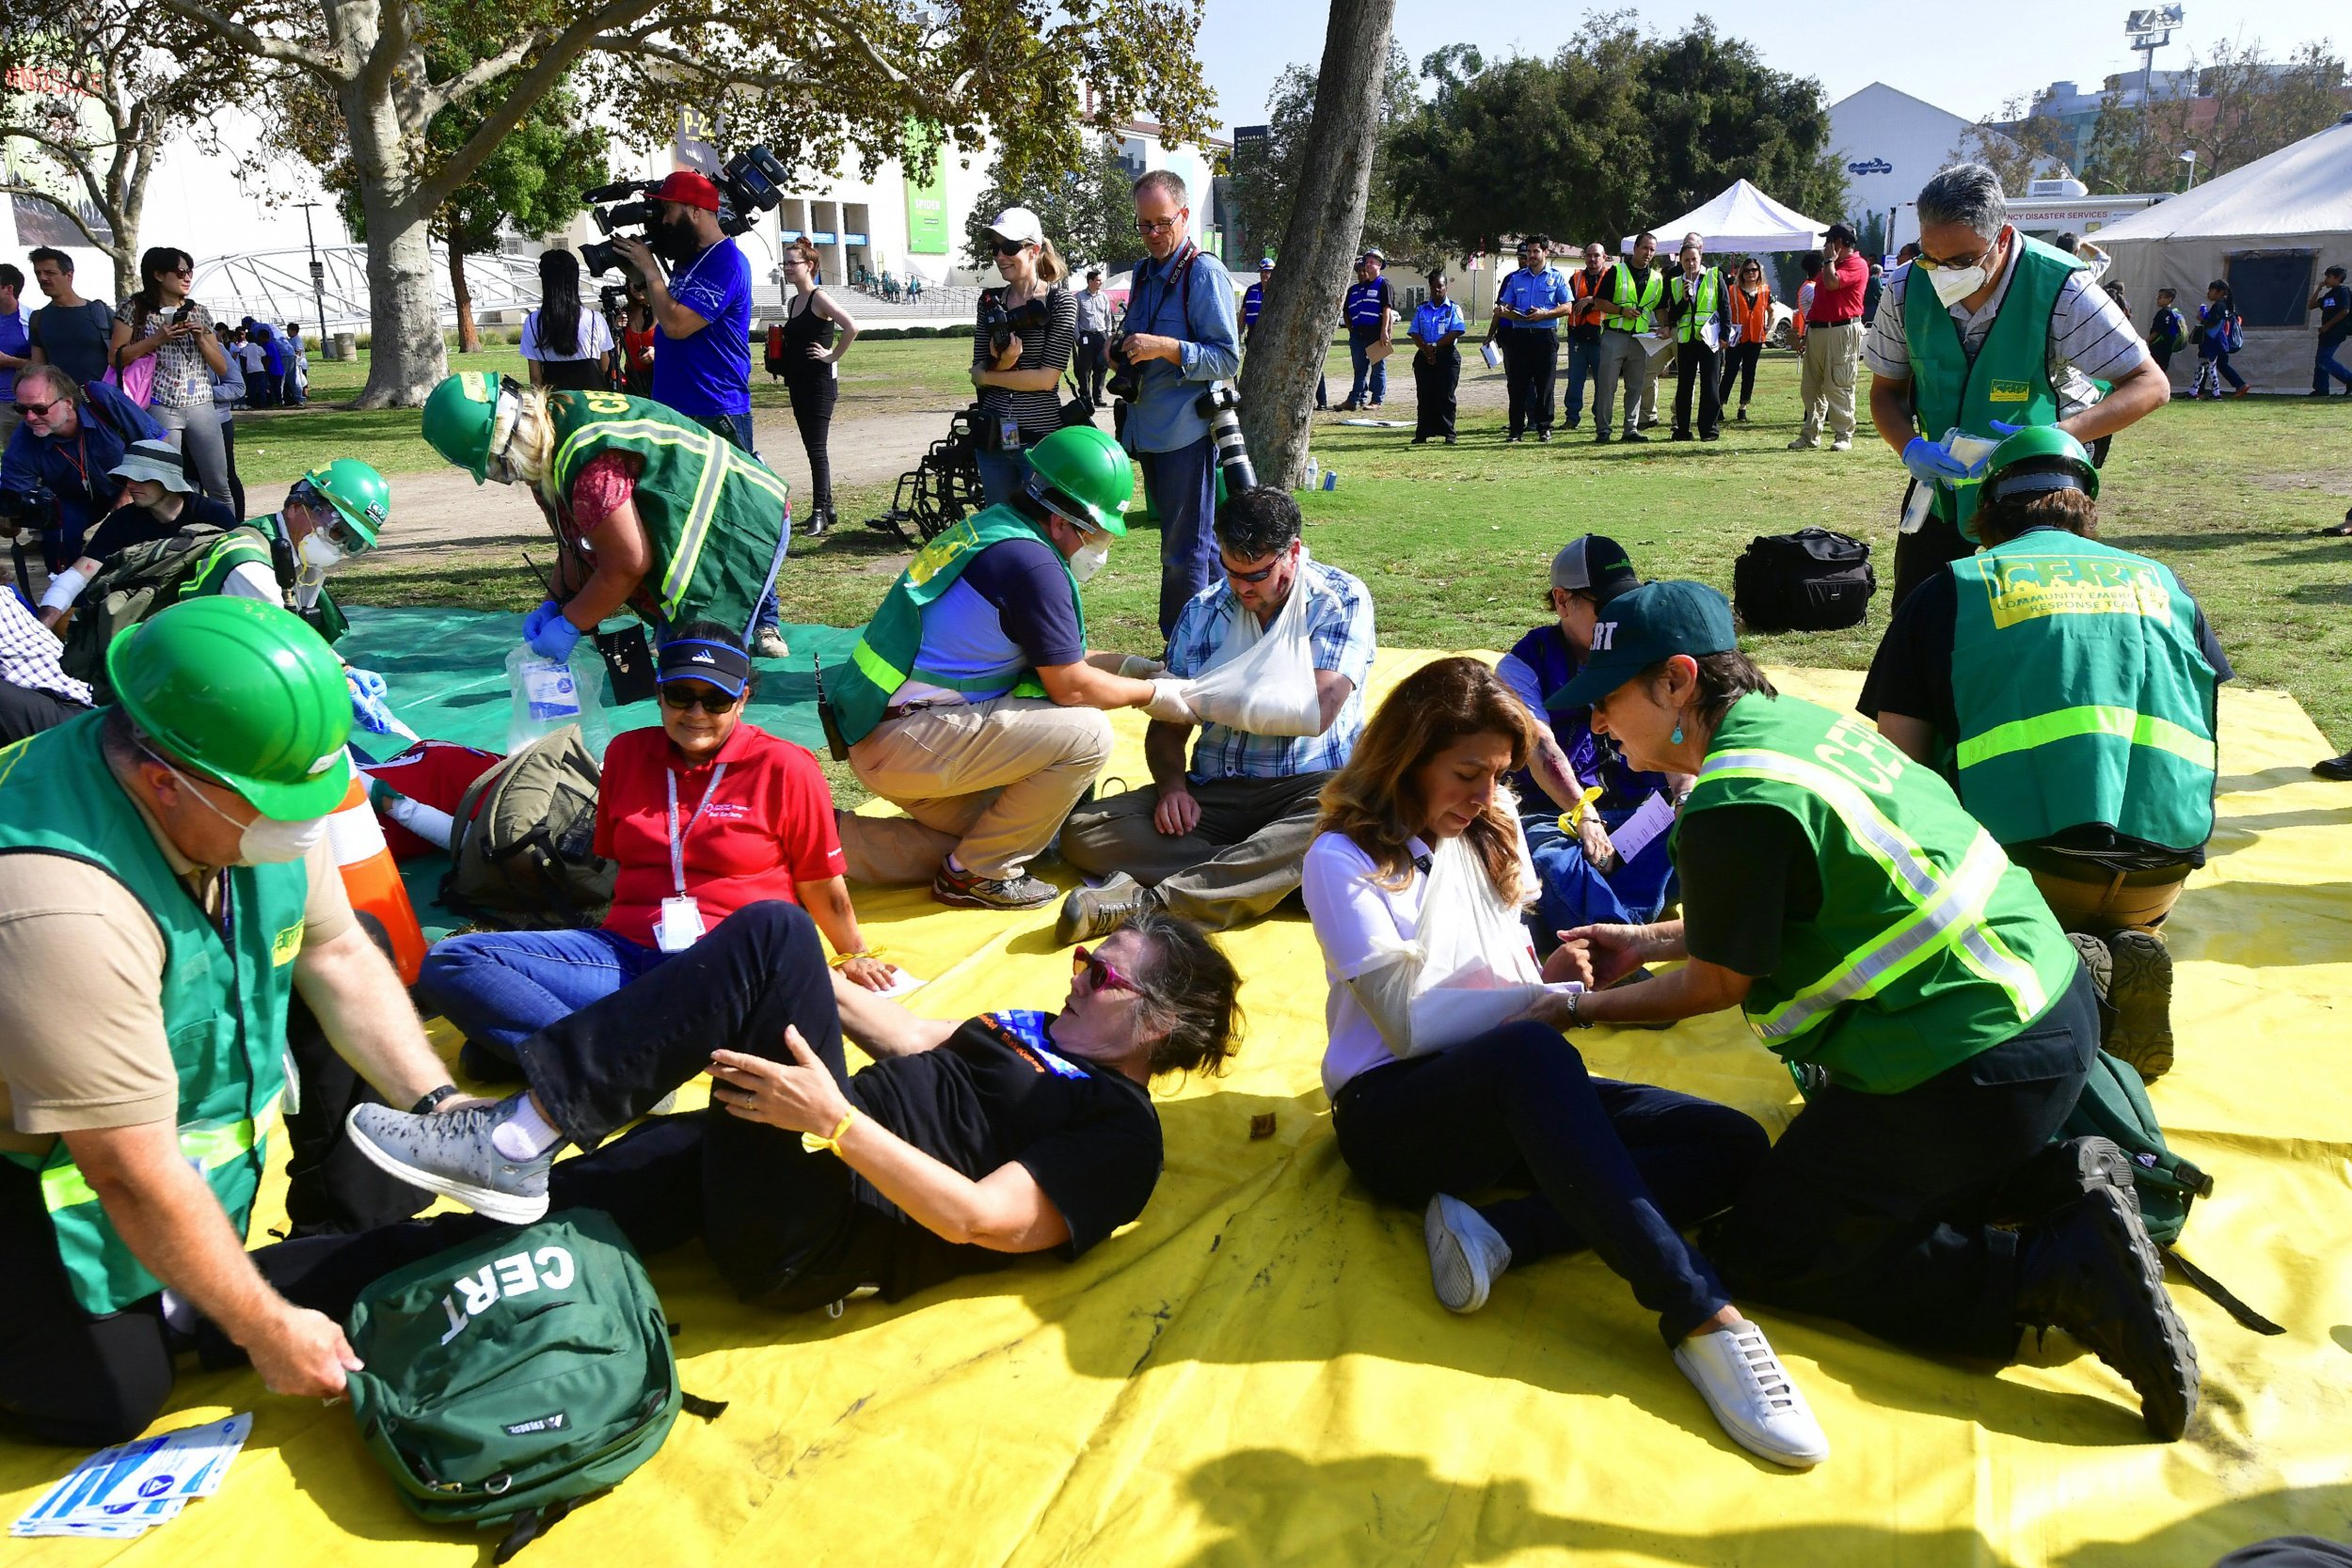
263	841
1954	284
1090	559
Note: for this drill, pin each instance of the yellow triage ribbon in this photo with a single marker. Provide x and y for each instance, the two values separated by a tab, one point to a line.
830	1144
1573	819
840	959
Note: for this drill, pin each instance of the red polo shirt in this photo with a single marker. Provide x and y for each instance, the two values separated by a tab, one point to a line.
769	827
1837	293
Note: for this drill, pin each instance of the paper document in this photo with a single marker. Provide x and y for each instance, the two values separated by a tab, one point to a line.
905	982
118	1492
1636	833
1711	334
1378	349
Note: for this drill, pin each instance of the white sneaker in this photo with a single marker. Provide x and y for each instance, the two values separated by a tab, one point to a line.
1841	444
1753	1396
769	644
1464	1253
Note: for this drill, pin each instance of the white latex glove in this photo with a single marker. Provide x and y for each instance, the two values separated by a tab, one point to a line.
1168	703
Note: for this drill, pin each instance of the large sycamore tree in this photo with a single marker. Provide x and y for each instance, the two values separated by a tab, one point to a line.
838	84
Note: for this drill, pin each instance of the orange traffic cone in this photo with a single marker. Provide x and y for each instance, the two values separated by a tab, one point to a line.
373	879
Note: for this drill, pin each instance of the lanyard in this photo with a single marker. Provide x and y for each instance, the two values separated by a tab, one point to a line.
79	457
1180	267
677	838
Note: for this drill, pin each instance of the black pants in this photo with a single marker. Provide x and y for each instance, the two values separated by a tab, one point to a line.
813	400
1922	555
1618	1167
1739	365
25	711
1435	378
1094	365
332	1188
1530	358
1695	364
1871	1206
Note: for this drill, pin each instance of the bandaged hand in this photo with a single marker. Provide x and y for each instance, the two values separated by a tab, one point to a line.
1169	705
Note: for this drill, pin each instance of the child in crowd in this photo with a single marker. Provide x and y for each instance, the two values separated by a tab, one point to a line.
2166	330
2219	333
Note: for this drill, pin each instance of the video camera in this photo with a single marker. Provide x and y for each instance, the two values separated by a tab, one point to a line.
750	183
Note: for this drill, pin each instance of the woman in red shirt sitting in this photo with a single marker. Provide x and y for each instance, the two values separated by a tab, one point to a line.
703	816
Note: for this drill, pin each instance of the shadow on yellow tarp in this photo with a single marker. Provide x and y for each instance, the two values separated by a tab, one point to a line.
1258	1374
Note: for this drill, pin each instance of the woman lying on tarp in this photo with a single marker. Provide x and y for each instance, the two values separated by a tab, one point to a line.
1015	1131
1420	849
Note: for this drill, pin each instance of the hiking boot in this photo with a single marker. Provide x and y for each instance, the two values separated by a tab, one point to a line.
1634	435
767	642
451	1153
954	885
2062	1174
1753	1396
2097	960
2338	769
1089	912
1466	1253
2141	995
2091	1270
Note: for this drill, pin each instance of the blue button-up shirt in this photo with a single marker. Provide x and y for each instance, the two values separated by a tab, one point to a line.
1199	316
1539	290
1433	320
1339	627
75	468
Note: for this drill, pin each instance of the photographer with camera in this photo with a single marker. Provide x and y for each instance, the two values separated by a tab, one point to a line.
56	476
1021	345
1180	340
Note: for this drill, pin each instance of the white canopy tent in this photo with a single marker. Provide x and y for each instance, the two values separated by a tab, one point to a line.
2269	229
1743	220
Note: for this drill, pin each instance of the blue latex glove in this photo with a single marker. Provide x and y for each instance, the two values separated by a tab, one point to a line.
537	621
1930	464
549	635
369	709
2002	427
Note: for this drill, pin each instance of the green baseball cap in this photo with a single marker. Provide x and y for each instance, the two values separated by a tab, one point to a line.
1647	627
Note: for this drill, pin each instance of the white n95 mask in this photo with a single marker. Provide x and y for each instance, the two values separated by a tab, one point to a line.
1090	559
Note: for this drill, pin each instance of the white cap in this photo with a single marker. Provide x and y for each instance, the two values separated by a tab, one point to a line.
1020	225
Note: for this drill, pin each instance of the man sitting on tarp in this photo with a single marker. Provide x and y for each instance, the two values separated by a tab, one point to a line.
1221	843
650	509
165	888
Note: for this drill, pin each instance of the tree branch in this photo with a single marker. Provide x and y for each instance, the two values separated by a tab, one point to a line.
72	216
238	35
480	74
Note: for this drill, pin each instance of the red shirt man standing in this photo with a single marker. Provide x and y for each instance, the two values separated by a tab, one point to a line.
1833	343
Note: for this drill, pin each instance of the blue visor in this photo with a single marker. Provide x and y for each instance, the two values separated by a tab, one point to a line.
693	658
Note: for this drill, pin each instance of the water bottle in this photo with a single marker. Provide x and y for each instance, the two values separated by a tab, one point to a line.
550	694
1314	472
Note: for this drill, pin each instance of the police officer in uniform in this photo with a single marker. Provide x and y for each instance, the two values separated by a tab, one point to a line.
1528	308
1438	325
1369	311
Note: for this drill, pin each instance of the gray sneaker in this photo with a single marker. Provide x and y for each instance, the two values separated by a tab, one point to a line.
967	890
451	1154
1089	912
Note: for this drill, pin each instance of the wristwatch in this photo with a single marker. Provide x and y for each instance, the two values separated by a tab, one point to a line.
432	1101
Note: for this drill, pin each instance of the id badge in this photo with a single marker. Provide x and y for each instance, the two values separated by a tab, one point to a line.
1008	433
680	924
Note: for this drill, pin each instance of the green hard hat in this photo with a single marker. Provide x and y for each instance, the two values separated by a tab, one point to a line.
458	417
248	693
361	496
1083	471
2039	457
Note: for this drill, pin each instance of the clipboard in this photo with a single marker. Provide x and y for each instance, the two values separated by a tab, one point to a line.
1377	350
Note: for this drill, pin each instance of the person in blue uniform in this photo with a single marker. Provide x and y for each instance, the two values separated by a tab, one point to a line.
1252	302
1528	308
1370	310
1438	325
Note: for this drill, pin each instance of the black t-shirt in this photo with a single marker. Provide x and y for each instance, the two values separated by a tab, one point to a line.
1747	872
2331	301
136	525
1025	581
997	1092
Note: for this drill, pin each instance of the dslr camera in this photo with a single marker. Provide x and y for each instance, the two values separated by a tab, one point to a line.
1221	407
1126	377
1028	319
750	183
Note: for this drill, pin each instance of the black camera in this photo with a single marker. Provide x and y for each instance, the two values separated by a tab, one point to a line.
1029	318
1221	407
750	183
36	508
1126	375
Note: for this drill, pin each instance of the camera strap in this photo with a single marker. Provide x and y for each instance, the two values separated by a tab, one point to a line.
1183	287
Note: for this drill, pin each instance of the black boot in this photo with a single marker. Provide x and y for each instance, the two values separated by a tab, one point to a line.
2093	1271
2059	1177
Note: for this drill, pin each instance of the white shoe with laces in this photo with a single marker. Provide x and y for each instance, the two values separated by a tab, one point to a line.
1464	1253
1752	1395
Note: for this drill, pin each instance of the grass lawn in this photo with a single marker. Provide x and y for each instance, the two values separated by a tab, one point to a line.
1453	542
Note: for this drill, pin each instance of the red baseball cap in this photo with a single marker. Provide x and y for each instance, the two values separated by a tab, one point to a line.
693	190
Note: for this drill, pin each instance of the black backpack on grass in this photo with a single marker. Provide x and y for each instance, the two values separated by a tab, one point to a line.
1811	580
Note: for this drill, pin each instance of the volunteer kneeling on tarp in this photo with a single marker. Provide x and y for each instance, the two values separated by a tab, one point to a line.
703	814
1875	935
1414	886
650	509
1576	790
1220	843
166	883
972	701
2068	689
1014	1132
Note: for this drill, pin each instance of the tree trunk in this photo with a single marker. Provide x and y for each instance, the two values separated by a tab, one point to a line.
1326	218
407	357
468	336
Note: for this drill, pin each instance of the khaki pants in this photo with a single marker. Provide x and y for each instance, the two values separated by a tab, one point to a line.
1830	353
1240	859
1662	367
1624	359
990	781
2102	909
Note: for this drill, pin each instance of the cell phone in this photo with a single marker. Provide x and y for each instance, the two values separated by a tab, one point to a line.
181	314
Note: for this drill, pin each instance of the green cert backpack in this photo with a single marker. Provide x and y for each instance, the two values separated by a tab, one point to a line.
511	1379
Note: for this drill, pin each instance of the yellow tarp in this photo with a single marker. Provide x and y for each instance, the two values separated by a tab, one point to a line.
1258	1374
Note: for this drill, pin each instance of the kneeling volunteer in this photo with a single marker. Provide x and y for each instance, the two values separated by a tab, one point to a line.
1014	1132
2068	690
703	814
1618	1167
972	701
1917	978
1220	844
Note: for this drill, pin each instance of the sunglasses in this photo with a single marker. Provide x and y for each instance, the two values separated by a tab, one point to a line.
29	410
710	699
1011	247
1100	974
1258	576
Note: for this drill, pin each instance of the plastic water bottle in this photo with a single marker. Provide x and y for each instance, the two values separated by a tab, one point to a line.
1315	473
548	694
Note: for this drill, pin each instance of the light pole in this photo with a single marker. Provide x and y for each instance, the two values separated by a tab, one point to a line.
2190	158
318	275
2151	30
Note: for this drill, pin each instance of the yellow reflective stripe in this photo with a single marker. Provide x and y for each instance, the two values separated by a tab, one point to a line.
205	1147
2045	729
691	537
875	668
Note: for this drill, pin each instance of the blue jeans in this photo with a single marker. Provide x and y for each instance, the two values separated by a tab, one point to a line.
1584	360
1574	894
2325	364
1370	373
1002	474
1181	485
500	988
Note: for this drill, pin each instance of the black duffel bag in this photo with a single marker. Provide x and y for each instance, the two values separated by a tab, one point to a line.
1811	580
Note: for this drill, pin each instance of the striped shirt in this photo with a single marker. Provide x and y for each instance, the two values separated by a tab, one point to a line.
1339	627
2090	336
1039	412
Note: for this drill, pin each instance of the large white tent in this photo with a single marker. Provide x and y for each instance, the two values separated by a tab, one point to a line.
2296	203
1743	220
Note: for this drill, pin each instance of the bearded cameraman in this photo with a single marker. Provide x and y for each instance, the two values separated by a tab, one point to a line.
1025	332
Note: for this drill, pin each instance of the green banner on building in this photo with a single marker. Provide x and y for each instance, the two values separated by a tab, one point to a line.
926	199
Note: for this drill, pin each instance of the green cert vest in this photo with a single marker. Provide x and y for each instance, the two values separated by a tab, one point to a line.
2081	693
224	1002
2007	378
1652	292
715	515
883	659
1930	946
258	544
1710	294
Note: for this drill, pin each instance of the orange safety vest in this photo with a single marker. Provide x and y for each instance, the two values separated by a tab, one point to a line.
1754	324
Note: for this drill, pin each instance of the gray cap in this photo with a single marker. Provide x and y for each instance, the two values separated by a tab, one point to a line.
1594	564
156	460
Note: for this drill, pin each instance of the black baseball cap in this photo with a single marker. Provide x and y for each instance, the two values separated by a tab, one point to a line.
694	659
1594	564
1647	627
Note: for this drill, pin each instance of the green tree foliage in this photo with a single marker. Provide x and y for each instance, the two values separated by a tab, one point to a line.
1264	186
2020	143
2247	107
1088	211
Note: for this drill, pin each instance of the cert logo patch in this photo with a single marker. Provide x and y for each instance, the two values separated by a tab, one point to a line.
2009	391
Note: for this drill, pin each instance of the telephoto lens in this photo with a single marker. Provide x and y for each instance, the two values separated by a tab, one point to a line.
1221	407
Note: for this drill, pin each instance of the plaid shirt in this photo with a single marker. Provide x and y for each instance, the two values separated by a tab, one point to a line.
1339	625
28	652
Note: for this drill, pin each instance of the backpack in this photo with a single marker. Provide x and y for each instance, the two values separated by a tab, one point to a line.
513	1378
1811	580
128	587
523	858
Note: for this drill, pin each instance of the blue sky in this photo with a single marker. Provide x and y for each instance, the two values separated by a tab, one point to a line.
1967	64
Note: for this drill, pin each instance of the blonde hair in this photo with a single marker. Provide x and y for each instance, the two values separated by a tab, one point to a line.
1051	268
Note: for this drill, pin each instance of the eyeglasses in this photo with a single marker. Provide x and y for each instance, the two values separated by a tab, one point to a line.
1159	225
1100	974
1011	247
710	699
179	272
1959	263
29	410
1259	575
